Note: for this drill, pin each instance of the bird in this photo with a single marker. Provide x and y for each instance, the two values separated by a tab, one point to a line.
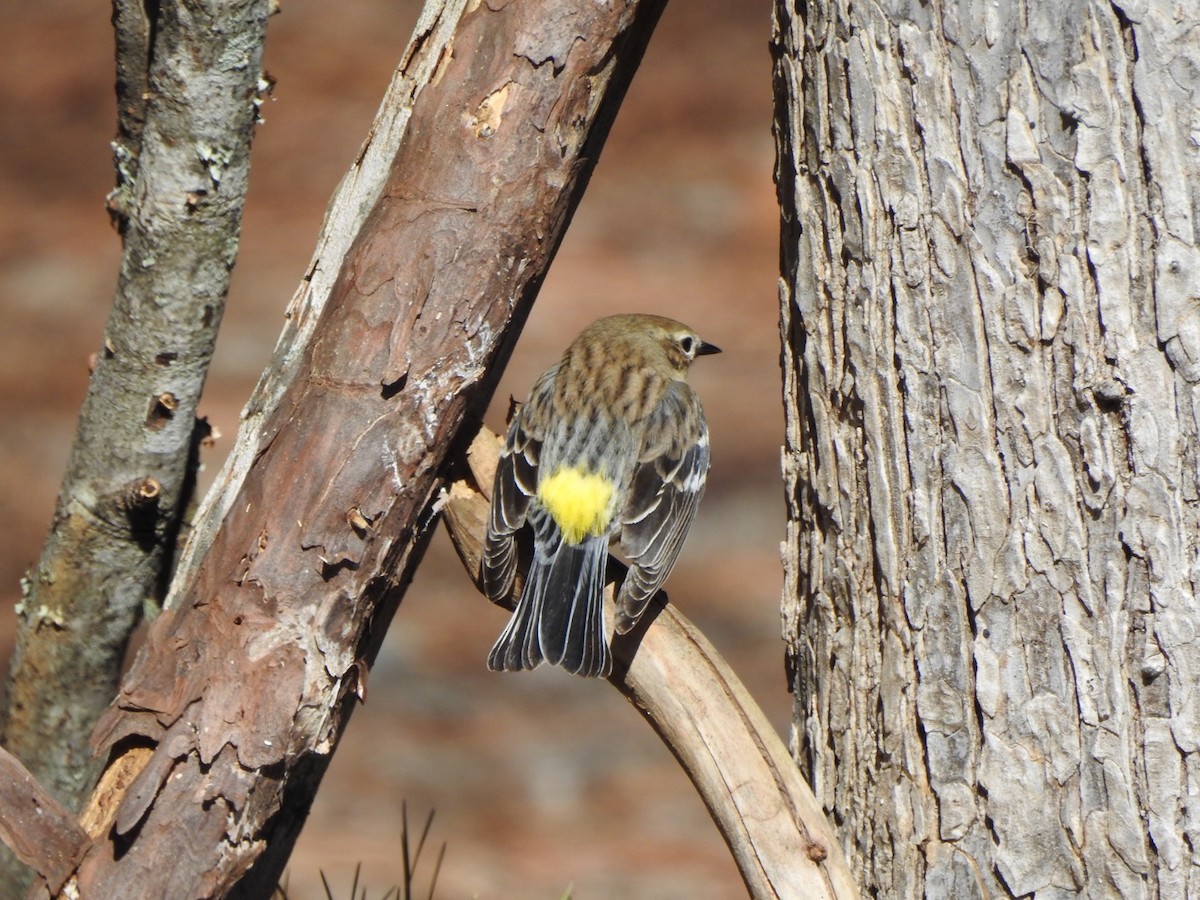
610	445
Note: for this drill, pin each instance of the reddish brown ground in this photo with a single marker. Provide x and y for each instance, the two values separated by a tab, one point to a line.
542	783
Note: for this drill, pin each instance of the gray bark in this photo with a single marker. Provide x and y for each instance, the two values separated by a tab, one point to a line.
992	354
187	111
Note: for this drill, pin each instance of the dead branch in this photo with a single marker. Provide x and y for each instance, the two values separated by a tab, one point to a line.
774	826
225	725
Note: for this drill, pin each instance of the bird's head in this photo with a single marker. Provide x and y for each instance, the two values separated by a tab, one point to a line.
680	344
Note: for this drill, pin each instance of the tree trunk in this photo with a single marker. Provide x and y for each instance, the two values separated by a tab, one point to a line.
189	76
226	722
992	350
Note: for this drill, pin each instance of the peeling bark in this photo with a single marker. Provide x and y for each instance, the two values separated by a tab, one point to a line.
226	722
992	354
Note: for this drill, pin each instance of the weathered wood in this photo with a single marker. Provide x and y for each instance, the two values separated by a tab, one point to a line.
992	339
250	673
774	827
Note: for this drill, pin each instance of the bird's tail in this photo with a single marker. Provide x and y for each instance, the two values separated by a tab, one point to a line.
560	616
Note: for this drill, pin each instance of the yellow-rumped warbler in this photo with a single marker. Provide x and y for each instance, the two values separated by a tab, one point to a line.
610	442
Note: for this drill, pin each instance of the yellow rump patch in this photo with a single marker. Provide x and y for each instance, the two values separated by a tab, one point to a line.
578	502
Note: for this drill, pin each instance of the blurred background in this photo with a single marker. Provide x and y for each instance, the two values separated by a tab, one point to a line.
543	784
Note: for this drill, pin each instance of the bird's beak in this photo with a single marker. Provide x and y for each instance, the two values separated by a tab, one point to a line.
707	349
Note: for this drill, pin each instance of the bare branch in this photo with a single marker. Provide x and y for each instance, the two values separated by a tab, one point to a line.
132	29
250	673
352	201
185	125
775	829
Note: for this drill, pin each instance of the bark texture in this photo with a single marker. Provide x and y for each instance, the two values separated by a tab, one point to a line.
187	115
226	722
991	323
352	201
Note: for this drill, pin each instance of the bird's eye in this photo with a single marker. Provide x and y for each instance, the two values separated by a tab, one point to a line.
687	344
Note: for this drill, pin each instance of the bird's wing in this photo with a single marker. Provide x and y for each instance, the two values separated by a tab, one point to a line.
666	489
514	487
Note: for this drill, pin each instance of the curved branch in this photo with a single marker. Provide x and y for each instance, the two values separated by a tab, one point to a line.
774	826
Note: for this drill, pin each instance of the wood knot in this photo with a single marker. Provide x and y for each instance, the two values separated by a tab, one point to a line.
142	493
162	411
